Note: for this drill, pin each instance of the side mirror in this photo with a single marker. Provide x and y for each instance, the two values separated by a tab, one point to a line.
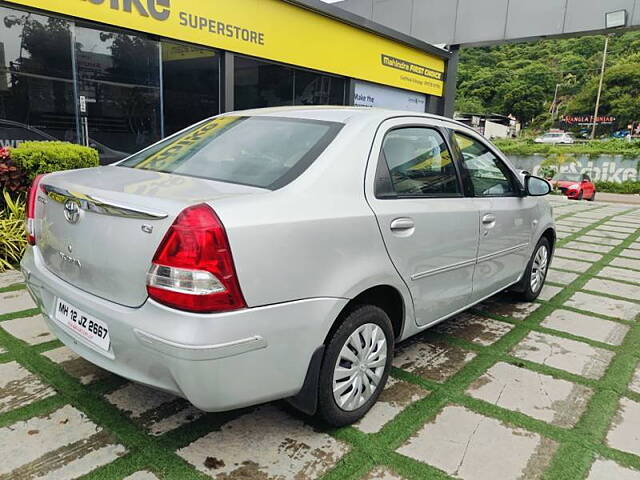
536	186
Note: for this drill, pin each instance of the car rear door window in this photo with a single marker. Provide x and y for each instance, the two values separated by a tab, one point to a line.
419	163
488	174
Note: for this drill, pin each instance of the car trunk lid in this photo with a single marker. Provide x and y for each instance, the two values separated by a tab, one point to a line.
98	229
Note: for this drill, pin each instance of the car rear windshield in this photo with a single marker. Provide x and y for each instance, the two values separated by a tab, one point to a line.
267	152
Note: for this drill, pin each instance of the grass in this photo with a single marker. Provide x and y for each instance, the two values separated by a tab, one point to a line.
577	447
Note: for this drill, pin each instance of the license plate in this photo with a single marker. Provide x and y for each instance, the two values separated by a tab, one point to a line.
89	328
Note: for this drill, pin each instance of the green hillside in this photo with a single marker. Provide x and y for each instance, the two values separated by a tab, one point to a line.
521	79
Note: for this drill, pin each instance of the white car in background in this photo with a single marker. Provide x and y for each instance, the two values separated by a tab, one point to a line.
556	137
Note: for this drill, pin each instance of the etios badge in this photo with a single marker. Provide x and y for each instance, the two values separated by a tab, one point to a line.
71	211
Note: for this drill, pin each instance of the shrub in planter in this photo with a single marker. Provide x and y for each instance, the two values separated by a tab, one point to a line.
34	158
12	237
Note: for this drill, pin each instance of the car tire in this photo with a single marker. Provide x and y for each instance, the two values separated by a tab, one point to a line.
580	195
538	266
593	197
358	325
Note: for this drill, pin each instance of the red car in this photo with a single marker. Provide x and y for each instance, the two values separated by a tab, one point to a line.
575	186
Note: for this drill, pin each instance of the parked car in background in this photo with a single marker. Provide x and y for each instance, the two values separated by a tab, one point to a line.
556	138
621	134
12	134
576	186
282	253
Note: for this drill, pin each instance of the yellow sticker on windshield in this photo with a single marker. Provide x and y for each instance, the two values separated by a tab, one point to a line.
176	151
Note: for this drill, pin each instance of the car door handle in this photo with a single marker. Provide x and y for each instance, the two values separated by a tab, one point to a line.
489	220
402	224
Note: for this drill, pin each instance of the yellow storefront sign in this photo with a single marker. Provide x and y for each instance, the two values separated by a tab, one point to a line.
270	29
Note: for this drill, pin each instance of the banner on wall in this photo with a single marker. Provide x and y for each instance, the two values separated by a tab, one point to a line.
270	29
370	95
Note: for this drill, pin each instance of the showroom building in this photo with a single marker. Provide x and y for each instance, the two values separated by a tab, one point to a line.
121	74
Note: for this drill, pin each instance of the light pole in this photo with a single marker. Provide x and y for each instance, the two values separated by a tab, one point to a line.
604	64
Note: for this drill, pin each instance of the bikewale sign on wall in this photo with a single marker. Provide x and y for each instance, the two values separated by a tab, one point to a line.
602	168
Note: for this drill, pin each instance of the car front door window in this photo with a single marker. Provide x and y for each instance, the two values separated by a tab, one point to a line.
488	175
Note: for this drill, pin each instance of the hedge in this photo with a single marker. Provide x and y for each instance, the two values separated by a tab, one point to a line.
594	147
613	187
34	158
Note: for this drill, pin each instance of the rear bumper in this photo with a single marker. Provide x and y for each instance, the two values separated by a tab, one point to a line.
216	361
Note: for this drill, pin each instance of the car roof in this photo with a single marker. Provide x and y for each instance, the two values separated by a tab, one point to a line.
341	114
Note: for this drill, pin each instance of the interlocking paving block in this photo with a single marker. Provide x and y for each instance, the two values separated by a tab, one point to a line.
76	366
32	330
607	234
564	227
635	245
604	306
381	473
577	255
620	274
19	387
634	386
142	475
571	265
561	235
625	263
474	328
265	444
613	228
601	240
535	394
621	223
605	331
609	287
155	410
62	445
589	247
15	301
560	277
468	445
10	277
624	433
506	306
548	292
609	470
431	359
396	396
569	355
630	253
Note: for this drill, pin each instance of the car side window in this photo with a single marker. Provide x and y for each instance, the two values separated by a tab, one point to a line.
419	163
488	174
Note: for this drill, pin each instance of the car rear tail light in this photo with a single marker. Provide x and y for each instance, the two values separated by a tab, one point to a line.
30	220
193	268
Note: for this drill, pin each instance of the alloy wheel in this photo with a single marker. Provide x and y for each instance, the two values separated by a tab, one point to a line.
539	268
360	367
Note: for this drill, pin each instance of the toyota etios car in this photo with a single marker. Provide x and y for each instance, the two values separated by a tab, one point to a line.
281	253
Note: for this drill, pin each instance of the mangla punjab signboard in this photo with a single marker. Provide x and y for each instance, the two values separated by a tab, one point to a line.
270	29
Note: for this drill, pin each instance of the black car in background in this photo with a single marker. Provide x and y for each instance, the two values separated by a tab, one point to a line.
13	134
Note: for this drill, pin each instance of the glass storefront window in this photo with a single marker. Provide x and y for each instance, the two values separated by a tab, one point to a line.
316	89
119	75
261	84
191	85
36	87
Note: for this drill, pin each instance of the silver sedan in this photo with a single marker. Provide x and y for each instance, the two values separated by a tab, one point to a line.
282	253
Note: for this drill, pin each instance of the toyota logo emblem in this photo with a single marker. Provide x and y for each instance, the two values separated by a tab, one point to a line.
71	211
